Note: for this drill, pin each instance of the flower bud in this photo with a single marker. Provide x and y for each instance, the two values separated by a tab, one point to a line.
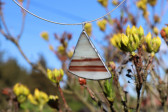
39	98
70	54
104	3
166	30
163	34
55	75
115	2
51	48
158	43
153	44
113	42
152	2
148	42
124	39
152	54
53	97
88	28
131	38
133	53
155	30
69	36
82	81
145	14
128	30
126	43
136	40
21	91
32	99
141	31
21	1
45	36
116	40
36	93
133	30
61	49
148	38
144	47
102	24
53	101
112	65
156	18
141	4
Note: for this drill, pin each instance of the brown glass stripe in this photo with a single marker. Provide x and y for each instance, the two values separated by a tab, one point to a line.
85	69
88	59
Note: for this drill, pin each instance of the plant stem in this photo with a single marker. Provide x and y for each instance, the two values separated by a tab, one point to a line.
63	98
140	95
92	95
111	103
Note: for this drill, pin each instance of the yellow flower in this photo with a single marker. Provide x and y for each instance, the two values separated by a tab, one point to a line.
51	48
158	43
124	39
142	4
145	14
133	30
155	30
55	75
45	35
115	2
140	31
128	30
32	99
104	3
148	37
115	40
70	54
88	28
21	91
39	98
152	44
102	24
53	97
152	2
61	49
129	42
53	101
166	30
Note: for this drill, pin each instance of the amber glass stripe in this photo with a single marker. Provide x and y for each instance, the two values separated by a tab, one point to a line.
88	59
86	67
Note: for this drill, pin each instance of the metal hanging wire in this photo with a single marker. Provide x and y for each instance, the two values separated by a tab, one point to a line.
69	23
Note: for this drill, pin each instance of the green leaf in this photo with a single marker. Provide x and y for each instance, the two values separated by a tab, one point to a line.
108	89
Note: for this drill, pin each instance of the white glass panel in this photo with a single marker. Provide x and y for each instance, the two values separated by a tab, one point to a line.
86	62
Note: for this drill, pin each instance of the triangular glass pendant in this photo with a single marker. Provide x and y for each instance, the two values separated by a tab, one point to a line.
86	61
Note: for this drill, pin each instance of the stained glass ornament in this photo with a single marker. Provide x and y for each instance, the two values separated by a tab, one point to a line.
86	61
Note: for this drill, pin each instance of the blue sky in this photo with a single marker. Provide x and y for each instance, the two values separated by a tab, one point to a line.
66	11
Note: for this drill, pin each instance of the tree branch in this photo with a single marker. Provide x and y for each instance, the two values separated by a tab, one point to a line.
23	20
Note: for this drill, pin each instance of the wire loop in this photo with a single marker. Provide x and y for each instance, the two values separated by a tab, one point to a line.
83	25
68	23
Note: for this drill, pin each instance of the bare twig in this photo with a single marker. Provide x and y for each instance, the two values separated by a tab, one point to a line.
81	99
4	23
110	103
139	100
63	98
153	92
23	20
